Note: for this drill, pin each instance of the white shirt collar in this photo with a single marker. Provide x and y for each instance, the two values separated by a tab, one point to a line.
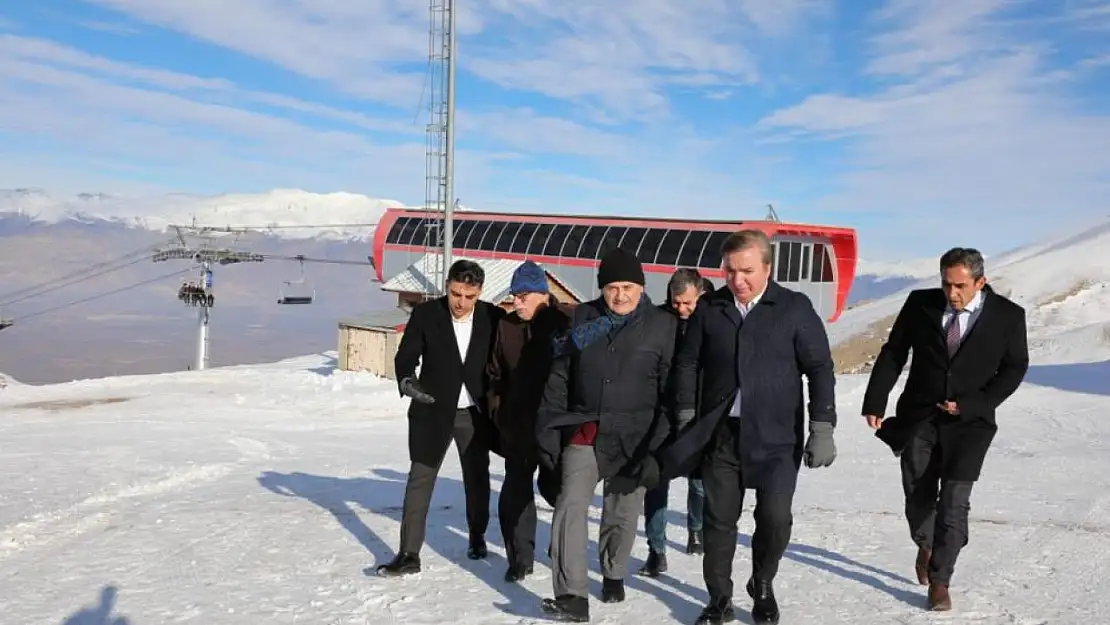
975	303
746	307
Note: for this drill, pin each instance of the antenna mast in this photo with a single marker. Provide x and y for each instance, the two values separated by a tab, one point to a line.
439	196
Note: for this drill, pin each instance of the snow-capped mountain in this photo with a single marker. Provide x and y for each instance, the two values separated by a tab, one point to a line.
886	270
292	213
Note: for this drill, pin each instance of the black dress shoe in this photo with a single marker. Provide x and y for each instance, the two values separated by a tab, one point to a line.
717	612
694	544
765	609
567	609
402	564
477	549
518	572
612	590
655	565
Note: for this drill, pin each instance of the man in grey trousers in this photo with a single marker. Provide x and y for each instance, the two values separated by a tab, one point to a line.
604	411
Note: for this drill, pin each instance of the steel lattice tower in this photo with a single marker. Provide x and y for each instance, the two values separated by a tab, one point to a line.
439	202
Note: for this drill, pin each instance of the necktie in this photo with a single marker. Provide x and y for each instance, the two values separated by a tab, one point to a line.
953	338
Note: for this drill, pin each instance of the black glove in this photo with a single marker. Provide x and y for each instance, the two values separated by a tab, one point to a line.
411	388
820	450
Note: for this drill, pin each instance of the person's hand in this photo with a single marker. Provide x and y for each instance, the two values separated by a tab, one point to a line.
950	407
820	450
685	417
411	388
874	422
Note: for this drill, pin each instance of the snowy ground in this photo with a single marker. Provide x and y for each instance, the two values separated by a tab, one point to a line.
263	494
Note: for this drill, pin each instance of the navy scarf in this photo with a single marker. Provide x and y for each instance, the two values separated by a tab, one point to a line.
585	334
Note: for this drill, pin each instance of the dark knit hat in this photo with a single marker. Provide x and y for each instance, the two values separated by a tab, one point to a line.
529	278
620	265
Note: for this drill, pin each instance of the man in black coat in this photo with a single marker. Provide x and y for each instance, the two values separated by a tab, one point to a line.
751	341
450	338
518	370
684	289
969	355
604	411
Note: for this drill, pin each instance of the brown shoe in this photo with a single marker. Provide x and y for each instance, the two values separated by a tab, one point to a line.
939	600
922	565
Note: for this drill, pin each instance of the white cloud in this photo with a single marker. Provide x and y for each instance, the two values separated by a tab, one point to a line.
623	59
160	119
123	119
976	138
923	34
359	46
620	56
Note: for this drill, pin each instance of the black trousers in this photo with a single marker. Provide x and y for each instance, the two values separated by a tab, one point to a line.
936	509
428	443
724	499
516	508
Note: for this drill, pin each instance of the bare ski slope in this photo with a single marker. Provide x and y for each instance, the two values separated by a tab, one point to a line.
261	494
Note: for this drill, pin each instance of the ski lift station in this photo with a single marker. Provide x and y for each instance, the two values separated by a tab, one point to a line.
819	261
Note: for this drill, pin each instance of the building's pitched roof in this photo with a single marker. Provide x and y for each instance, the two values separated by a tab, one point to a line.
416	278
387	319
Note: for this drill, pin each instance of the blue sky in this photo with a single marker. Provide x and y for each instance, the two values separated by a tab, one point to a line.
924	123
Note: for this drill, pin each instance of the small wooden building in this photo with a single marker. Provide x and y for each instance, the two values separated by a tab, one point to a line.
369	342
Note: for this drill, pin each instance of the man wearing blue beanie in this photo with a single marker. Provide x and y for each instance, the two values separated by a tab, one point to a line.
519	365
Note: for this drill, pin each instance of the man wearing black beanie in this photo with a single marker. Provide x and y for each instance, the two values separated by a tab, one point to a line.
603	413
620	265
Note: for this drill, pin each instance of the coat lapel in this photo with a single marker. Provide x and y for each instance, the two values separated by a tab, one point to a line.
723	301
935	311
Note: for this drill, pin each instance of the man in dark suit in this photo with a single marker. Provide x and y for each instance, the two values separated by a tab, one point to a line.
450	338
684	289
519	366
751	342
969	355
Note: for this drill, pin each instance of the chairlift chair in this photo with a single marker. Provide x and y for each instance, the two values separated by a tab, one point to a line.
307	295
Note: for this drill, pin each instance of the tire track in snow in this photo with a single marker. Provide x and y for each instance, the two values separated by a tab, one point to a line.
91	513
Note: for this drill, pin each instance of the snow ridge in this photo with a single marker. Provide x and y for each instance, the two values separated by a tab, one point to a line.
285	208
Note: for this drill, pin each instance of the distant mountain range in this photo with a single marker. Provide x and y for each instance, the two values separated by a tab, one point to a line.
293	213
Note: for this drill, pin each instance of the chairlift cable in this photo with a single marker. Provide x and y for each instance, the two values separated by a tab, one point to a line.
105	294
74	278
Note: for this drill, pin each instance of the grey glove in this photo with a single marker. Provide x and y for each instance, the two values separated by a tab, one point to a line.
685	417
411	388
820	449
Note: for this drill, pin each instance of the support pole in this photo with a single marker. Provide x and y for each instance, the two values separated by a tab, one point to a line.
204	315
449	168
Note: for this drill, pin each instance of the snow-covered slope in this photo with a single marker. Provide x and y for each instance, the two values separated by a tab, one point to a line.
1062	281
287	208
263	494
883	270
